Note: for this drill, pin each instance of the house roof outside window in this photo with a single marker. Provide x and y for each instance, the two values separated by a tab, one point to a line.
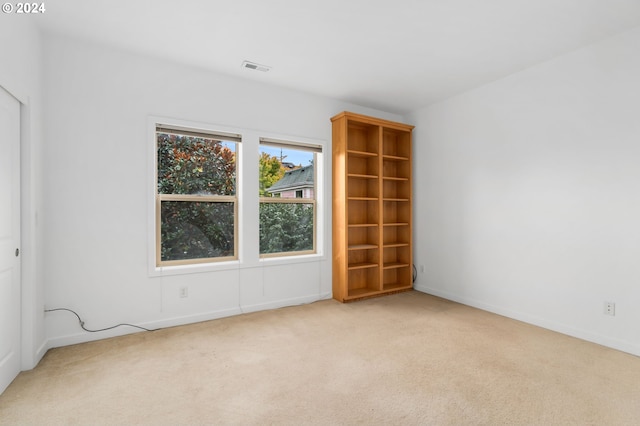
294	179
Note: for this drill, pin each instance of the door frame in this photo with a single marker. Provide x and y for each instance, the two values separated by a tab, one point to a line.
14	147
32	335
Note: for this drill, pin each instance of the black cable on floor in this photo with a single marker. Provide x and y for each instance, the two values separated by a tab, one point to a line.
94	331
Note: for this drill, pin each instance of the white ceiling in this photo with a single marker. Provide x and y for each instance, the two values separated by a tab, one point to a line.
395	55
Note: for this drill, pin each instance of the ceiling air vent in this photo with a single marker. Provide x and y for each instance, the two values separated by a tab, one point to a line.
254	66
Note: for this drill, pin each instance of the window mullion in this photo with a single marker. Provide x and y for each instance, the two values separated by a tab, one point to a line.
287	200
198	198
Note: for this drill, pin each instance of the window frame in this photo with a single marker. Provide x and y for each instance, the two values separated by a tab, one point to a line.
317	150
247	191
163	127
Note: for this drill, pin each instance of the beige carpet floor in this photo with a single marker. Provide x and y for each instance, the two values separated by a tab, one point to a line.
406	359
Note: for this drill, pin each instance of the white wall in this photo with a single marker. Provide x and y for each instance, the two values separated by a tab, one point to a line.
528	194
20	75
97	188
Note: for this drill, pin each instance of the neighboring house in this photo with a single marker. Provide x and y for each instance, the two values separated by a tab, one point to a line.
297	183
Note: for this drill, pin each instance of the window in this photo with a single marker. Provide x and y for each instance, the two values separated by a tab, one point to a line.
196	196
287	197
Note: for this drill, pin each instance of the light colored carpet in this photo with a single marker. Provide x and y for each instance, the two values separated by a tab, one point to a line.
409	359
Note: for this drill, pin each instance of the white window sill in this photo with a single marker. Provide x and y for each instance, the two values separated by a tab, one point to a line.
161	271
284	260
234	264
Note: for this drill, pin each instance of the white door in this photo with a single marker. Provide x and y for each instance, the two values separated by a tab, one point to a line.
9	239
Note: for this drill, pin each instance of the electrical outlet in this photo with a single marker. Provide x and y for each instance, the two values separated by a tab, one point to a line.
610	308
422	269
184	292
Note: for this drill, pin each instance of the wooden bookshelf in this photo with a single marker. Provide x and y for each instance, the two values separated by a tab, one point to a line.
372	223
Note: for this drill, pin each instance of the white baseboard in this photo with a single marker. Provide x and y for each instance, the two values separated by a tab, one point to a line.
587	335
83	337
42	350
30	360
286	302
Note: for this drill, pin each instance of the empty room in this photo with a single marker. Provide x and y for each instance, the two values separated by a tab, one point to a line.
303	212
